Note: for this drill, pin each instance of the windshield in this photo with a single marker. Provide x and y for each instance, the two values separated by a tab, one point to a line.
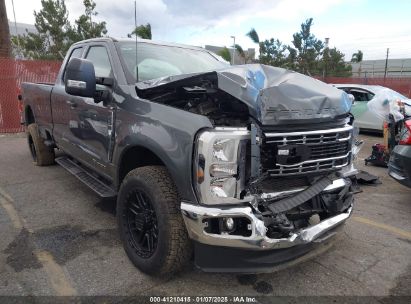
155	61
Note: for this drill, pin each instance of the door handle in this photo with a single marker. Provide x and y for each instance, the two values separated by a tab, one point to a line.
72	104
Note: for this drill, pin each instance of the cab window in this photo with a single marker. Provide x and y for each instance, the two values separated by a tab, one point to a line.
99	57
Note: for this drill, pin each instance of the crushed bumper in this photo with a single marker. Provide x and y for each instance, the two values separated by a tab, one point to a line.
195	216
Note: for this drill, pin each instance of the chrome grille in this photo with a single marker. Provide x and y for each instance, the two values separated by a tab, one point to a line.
329	150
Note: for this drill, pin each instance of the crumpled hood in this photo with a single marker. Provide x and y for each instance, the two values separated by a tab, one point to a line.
274	96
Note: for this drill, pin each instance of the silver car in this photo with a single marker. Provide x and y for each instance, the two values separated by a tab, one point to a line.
364	118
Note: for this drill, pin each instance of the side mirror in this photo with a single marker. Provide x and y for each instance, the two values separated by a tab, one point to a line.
80	78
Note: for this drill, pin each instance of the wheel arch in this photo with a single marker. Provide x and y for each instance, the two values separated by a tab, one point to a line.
134	157
29	116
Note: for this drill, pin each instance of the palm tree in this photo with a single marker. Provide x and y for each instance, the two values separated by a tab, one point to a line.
357	57
247	58
5	44
253	36
225	53
142	31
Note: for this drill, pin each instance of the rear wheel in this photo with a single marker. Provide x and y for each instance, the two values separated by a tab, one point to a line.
42	155
150	221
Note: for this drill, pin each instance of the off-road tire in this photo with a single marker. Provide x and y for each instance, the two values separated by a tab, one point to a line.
42	155
174	248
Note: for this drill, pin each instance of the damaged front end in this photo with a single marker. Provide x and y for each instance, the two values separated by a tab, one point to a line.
265	191
271	176
290	180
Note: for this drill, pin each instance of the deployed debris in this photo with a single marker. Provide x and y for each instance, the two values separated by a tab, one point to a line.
363	178
366	178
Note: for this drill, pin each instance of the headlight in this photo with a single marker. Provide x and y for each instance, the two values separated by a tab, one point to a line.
217	175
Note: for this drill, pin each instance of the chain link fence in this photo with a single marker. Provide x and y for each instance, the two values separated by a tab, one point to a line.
12	74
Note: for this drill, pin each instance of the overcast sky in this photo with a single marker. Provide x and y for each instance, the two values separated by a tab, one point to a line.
371	26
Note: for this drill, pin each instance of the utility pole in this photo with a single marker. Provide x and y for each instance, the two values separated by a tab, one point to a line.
5	43
232	59
327	41
386	64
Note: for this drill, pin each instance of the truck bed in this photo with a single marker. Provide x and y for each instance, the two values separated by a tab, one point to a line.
37	97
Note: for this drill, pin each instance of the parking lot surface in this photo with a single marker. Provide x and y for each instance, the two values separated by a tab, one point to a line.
59	238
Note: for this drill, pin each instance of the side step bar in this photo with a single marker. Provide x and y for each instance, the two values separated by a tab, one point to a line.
95	184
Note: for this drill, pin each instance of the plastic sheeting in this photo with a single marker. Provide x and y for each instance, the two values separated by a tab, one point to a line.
385	102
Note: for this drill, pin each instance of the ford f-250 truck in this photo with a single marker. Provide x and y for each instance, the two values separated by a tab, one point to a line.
242	167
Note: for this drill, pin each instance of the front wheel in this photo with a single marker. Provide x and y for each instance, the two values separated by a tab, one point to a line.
150	221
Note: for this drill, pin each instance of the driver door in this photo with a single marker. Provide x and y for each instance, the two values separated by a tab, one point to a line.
93	131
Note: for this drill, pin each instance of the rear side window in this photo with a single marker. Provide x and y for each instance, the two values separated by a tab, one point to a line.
99	57
361	95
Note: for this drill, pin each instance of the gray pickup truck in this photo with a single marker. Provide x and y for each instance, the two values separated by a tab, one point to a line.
243	167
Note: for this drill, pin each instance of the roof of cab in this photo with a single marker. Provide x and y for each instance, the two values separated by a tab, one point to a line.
106	39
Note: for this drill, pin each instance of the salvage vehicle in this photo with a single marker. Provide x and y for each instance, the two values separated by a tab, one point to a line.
243	167
399	165
366	119
395	111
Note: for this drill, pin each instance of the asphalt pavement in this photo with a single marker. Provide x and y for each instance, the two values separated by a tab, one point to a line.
59	238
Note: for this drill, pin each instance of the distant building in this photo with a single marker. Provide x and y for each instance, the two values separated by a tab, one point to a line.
376	68
238	59
21	28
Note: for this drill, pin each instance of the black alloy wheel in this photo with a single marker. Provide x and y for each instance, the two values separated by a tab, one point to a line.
142	223
150	222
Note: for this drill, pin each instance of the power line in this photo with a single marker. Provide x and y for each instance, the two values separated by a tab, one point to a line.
15	27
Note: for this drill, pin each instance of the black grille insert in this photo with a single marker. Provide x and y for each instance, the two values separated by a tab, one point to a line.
327	150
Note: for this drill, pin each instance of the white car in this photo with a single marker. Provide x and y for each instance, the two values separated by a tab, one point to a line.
364	118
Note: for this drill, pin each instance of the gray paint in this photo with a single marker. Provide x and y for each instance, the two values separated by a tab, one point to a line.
82	131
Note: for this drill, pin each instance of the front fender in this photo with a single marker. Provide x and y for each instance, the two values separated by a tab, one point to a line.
168	132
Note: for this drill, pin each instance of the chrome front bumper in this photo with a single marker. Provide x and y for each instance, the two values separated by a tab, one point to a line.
194	215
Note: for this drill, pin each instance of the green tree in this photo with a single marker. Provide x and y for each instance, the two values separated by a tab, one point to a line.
307	49
307	54
55	34
142	31
291	60
52	26
357	57
225	53
332	64
272	52
85	27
